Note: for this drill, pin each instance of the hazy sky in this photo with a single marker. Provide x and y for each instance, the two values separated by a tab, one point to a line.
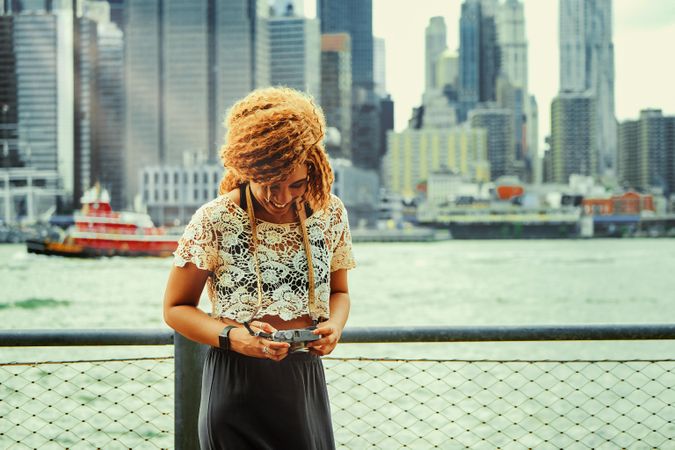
644	53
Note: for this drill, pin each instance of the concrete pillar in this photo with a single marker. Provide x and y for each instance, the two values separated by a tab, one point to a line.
189	360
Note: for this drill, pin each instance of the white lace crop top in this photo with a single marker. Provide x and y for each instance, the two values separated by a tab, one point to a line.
218	239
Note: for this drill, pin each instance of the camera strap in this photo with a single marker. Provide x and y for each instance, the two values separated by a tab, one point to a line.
300	210
252	332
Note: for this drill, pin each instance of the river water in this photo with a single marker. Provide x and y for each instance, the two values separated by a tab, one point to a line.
524	282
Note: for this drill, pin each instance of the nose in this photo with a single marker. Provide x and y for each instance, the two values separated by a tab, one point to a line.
283	196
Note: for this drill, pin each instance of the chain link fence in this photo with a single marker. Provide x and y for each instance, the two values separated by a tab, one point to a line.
123	403
502	404
376	403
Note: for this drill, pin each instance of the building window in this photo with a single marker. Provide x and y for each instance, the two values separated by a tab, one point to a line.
206	178
185	177
166	178
196	178
175	178
206	194
156	177
146	178
196	196
175	195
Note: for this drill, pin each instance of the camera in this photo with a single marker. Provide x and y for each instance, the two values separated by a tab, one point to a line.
295	335
297	338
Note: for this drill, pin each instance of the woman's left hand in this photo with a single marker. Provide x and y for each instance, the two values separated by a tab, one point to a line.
330	336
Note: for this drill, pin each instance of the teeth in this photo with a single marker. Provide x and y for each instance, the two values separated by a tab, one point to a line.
278	205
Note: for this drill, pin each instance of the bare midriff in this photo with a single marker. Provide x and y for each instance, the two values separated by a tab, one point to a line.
280	324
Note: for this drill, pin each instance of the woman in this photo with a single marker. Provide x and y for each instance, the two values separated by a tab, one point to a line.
273	250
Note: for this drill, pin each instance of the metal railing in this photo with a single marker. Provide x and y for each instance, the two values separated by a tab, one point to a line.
387	403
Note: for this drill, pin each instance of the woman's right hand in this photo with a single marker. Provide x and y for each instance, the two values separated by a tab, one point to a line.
242	342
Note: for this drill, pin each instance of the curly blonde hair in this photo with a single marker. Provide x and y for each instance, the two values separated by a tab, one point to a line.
269	133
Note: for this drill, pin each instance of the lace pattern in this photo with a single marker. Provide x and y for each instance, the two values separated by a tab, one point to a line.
218	239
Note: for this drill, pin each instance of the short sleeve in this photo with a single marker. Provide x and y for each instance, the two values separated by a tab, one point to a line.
199	243
343	256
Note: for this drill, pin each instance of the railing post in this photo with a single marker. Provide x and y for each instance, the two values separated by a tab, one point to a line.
189	360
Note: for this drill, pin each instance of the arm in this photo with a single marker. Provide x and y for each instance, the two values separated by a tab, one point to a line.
181	298
339	304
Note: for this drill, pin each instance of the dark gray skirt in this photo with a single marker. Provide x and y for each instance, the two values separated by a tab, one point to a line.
262	404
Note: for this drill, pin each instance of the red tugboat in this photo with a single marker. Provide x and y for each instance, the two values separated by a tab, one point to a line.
100	231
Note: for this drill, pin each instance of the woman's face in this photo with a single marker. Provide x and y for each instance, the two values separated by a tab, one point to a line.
277	199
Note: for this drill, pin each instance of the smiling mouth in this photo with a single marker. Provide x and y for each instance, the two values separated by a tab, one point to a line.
277	205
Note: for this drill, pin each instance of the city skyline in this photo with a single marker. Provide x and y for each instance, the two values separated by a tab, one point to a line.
637	25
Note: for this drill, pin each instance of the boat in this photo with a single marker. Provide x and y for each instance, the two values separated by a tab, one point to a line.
514	226
97	231
507	223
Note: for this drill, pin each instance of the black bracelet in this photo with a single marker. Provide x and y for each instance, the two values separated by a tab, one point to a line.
223	338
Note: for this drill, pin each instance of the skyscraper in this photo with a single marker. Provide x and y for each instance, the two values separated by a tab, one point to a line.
366	128
241	55
144	91
107	156
533	141
436	42
515	99
336	90
43	48
447	71
9	152
186	72
510	21
478	53
573	137
500	142
186	64
356	18
86	105
295	54
386	122
490	54
629	165
61	114
647	151
439	99
469	57
379	67
587	64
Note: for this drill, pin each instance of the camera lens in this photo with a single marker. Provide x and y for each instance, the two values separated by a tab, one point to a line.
288	334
